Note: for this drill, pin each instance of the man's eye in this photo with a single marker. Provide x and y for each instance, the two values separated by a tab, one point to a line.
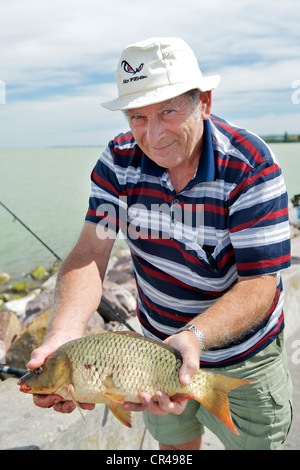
136	117
168	111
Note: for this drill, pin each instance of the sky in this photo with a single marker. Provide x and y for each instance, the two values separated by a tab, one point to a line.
58	61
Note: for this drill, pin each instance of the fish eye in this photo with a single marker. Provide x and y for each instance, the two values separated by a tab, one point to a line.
39	370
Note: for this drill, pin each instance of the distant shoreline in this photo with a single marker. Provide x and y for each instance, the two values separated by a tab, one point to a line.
281	139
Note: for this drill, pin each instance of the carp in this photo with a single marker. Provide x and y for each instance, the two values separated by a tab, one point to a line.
112	368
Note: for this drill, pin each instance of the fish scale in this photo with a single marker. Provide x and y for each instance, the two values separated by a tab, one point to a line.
112	368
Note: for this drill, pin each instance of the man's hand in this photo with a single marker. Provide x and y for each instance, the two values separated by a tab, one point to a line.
190	347
161	407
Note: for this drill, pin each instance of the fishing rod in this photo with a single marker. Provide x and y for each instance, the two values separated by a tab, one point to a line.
104	303
12	370
29	230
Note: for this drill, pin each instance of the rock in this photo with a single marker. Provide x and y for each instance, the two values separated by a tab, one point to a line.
119	290
50	283
125	298
95	325
119	300
5	297
20	287
4	278
18	306
121	271
10	328
30	338
39	273
2	353
40	303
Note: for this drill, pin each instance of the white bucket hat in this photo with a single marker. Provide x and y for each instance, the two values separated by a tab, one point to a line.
156	70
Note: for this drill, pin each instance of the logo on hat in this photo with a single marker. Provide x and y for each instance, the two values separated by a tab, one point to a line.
127	67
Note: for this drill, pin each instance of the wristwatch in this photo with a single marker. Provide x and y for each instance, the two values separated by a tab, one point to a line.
194	330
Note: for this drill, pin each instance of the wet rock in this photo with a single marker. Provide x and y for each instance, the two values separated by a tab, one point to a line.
20	287
39	273
4	278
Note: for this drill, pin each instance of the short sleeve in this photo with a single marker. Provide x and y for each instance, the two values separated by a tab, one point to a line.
105	202
258	222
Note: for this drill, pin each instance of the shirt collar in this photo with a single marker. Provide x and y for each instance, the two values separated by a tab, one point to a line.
206	166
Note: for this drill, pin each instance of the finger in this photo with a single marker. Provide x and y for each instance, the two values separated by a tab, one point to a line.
37	359
129	406
87	406
168	406
190	361
188	370
146	404
190	348
161	405
65	406
46	401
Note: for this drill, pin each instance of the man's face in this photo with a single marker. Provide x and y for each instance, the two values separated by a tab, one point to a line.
170	133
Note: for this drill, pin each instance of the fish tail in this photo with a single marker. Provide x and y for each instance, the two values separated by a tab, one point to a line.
215	397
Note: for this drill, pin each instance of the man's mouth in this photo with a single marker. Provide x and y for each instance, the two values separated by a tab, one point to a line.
163	148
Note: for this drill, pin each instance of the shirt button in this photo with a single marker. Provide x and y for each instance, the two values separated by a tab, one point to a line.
176	201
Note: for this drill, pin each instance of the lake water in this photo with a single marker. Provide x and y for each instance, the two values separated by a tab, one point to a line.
48	189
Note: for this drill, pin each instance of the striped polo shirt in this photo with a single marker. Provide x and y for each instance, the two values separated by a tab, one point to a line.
188	248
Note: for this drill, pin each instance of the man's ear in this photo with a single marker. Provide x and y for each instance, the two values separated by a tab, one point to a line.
205	99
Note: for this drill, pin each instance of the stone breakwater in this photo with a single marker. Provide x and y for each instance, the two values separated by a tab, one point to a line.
26	307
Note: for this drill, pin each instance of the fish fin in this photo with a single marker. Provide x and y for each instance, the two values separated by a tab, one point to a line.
115	397
124	416
181	397
111	391
70	390
216	400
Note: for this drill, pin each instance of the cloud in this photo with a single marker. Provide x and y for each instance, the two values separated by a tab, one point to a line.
58	60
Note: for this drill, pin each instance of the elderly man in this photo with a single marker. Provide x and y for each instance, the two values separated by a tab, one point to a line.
203	207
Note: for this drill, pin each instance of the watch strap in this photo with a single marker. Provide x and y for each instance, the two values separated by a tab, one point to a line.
194	330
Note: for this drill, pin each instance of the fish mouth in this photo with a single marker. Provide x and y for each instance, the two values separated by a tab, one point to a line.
23	386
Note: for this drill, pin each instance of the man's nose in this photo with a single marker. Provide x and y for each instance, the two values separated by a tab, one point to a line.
155	131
